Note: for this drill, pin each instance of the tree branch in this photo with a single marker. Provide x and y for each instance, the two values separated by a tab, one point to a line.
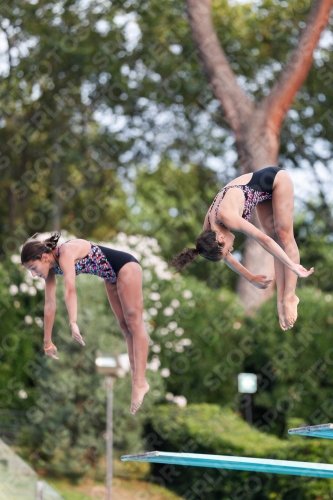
277	103
235	103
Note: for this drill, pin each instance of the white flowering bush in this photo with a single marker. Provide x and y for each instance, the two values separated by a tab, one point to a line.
21	333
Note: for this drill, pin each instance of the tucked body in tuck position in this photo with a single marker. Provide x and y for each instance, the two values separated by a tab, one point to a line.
271	192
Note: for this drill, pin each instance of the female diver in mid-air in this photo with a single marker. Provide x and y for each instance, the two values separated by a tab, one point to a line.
122	276
271	191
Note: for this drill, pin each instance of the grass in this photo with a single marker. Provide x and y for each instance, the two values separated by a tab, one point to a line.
123	489
128	484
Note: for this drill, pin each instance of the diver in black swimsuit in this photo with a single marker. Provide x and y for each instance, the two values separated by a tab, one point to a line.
122	276
271	192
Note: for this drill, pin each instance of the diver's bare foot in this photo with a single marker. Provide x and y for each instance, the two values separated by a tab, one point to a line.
290	304
140	387
282	319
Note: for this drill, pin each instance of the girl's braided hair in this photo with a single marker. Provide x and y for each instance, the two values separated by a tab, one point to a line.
34	249
205	245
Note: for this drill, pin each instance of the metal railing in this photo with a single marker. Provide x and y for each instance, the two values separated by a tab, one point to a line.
18	481
46	492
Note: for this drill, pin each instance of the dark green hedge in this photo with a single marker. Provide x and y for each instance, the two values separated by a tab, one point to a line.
214	430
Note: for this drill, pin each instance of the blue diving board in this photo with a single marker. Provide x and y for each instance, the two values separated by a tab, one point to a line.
235	463
320	431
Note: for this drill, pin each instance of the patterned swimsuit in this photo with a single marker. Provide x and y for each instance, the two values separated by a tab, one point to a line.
252	198
94	263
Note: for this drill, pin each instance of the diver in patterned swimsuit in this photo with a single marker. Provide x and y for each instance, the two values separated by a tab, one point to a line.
271	191
122	276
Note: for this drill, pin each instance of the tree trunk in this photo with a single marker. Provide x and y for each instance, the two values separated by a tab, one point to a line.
256	128
258	148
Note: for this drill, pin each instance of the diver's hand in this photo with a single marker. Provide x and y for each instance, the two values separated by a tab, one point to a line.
301	271
76	333
51	351
261	281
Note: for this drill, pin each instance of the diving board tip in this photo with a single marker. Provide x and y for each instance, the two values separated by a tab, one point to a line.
319	431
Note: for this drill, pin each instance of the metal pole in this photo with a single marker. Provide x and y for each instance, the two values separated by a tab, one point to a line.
39	490
248	408
109	434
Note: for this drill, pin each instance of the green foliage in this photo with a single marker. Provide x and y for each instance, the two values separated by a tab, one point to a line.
200	341
21	320
56	167
162	210
94	129
258	36
294	367
197	342
313	230
65	411
210	429
209	341
83	107
121	488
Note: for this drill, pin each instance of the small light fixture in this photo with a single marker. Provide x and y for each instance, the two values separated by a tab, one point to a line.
247	383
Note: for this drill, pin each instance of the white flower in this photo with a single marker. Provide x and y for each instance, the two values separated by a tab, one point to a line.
28	320
153	311
24	287
175	303
122	237
169	396
39	322
142	248
161	272
40	285
146	316
180	401
16	259
179	332
154	296
172	325
13	289
154	364
187	294
156	348
165	372
164	331
133	240
168	311
185	342
22	394
147	275
32	290
149	328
